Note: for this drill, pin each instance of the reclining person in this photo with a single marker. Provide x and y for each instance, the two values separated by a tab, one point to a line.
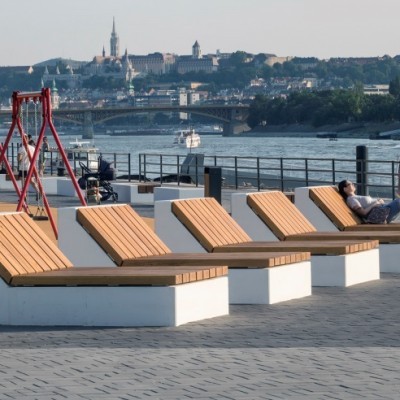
363	205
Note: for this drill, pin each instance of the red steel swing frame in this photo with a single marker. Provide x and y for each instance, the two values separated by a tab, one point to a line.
18	98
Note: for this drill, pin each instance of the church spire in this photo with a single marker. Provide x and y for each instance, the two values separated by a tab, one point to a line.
114	41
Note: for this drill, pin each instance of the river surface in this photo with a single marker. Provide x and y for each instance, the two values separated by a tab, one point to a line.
388	150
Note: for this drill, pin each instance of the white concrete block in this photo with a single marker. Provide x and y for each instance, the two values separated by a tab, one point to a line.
269	285
77	244
172	232
177	192
114	306
66	188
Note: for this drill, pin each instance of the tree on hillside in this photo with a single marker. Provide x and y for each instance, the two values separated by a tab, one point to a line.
394	86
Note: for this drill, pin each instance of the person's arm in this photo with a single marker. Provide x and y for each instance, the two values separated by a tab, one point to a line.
20	156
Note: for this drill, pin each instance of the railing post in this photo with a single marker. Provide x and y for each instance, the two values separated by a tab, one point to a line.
161	169
258	174
333	172
362	170
236	173
129	167
306	170
178	170
282	177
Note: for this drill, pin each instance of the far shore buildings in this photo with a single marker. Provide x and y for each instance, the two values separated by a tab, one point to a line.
129	66
121	66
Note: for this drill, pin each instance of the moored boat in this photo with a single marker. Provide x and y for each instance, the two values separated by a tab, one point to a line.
80	151
187	138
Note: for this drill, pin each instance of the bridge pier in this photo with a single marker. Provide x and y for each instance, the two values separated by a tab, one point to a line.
234	128
88	132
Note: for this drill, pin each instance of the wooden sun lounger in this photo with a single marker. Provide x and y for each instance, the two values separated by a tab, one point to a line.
328	199
206	222
287	222
39	286
388	235
124	239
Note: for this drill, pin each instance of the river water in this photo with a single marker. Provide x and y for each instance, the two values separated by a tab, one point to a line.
285	147
268	147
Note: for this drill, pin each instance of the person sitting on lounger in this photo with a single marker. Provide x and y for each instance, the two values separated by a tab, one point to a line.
363	205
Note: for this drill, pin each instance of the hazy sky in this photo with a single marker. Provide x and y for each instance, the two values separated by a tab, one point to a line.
37	30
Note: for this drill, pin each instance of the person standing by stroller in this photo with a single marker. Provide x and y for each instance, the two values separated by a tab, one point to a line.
24	163
44	151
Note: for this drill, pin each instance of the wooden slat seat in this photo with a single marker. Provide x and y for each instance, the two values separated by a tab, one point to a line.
29	257
251	259
328	199
288	223
217	231
124	276
332	247
123	234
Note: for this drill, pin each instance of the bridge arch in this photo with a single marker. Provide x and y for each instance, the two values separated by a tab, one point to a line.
229	115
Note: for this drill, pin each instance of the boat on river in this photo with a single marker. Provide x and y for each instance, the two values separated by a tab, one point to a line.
77	152
187	138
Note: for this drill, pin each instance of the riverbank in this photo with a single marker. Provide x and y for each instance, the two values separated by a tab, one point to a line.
349	130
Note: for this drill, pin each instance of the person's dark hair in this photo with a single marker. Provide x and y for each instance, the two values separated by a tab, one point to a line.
341	187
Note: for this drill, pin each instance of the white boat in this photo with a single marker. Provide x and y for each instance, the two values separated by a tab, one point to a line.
80	151
187	138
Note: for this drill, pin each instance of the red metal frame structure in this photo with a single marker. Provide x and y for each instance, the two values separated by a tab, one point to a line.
18	98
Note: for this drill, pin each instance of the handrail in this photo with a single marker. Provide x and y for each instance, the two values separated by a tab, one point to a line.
278	173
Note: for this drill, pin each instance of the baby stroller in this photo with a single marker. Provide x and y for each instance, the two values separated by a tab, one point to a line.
96	184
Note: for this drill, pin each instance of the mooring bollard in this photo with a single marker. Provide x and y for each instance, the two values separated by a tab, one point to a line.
213	182
362	170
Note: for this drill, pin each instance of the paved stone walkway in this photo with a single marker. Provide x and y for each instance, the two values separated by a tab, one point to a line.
336	344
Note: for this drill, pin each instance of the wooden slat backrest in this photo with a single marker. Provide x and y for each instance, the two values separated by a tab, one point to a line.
279	214
328	199
121	232
209	223
25	248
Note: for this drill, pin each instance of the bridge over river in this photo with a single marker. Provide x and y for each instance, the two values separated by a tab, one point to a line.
232	117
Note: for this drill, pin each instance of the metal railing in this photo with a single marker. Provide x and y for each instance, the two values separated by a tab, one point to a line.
376	177
122	162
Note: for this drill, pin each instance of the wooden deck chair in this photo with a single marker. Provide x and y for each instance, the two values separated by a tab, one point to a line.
205	221
39	286
288	223
328	199
116	235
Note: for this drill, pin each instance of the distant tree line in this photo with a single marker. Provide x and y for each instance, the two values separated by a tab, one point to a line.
241	67
319	108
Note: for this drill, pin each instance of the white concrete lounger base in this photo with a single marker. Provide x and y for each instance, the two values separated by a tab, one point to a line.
388	253
269	285
129	306
346	270
338	270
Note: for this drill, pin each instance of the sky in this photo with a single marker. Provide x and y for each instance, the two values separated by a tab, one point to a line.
37	30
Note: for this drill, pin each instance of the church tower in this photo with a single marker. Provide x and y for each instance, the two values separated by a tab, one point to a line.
114	42
196	51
